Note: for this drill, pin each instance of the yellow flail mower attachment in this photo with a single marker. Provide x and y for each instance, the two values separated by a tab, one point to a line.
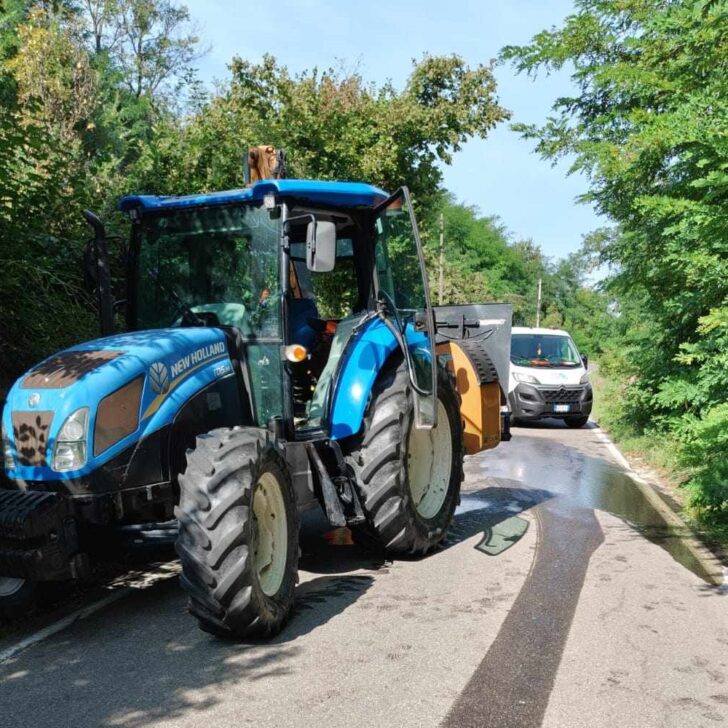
474	342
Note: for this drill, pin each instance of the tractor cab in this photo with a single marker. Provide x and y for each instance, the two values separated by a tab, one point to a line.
288	270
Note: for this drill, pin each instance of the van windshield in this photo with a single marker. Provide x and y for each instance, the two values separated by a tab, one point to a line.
544	350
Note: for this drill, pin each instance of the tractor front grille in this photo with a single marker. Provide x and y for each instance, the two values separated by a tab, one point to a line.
30	431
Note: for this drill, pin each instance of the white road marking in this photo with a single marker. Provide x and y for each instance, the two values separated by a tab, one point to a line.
136	583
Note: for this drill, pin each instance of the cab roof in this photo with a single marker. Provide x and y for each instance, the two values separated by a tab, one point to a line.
339	194
539	332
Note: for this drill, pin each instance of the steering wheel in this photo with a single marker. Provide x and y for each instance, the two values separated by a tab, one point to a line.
214	314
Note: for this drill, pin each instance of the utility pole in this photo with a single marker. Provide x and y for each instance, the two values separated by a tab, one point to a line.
538	305
441	282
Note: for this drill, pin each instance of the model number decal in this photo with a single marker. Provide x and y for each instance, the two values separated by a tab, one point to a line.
218	371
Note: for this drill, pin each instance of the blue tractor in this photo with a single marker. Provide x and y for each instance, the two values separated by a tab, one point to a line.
281	354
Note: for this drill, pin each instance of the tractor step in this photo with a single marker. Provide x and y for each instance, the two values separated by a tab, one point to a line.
149	534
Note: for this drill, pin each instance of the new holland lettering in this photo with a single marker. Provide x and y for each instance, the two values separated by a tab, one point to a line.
197	356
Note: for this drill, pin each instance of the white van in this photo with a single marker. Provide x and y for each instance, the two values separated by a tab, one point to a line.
548	377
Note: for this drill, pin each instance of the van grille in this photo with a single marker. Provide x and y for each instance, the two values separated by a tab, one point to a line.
562	395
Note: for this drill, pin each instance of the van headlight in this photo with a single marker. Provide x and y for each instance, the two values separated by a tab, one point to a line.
8	459
525	378
584	378
71	447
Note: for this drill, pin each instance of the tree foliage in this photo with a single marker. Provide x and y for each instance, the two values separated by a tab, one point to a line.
333	126
483	262
648	126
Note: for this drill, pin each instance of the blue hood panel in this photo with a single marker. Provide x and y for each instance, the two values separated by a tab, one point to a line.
175	364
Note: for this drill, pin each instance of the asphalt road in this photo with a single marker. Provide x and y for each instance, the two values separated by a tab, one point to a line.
560	599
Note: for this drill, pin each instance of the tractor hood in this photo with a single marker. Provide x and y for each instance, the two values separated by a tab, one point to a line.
130	384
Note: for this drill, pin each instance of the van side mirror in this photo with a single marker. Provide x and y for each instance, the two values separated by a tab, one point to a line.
321	246
585	361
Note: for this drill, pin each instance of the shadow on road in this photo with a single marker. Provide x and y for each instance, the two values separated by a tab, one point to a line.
144	659
550	423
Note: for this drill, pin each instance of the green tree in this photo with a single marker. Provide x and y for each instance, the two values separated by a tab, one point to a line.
648	127
333	126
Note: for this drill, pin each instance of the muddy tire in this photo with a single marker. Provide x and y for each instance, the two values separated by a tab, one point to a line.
18	597
238	534
408	479
576	422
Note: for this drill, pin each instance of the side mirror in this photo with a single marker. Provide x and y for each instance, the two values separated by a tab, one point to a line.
585	361
321	246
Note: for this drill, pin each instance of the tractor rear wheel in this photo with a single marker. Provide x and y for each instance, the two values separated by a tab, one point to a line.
238	534
408	479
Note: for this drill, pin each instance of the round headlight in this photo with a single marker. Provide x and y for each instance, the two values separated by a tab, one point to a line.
73	430
70	450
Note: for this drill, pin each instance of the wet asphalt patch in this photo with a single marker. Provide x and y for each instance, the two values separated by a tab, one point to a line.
513	683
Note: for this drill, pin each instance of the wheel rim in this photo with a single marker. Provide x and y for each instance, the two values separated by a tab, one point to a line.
429	464
271	533
9	585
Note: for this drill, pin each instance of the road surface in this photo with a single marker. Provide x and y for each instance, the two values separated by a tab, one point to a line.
559	600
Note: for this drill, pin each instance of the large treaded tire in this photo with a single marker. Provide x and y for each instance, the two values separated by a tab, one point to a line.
576	422
217	534
379	460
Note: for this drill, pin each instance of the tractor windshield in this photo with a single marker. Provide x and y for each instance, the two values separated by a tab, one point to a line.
214	265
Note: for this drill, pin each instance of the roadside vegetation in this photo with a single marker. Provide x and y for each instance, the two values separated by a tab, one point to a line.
648	127
99	98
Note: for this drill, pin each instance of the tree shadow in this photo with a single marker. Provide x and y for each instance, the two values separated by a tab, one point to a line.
144	659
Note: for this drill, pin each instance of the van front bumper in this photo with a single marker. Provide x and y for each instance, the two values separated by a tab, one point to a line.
533	401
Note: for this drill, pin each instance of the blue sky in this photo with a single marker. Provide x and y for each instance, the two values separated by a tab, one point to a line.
501	175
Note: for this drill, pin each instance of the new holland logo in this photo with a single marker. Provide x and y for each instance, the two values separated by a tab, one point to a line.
159	377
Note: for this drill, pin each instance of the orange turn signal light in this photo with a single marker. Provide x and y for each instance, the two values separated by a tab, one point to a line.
296	353
330	327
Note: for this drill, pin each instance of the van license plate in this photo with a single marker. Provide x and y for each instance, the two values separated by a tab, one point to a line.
562	408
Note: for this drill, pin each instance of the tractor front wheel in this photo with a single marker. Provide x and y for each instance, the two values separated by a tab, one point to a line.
17	597
238	534
409	479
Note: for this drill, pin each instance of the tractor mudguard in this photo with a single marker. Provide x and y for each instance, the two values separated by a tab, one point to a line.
365	355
